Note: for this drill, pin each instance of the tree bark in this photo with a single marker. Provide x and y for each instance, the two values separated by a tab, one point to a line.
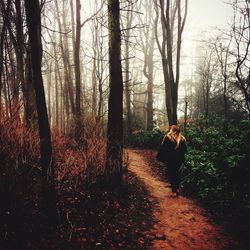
2	36
19	48
241	36
94	69
33	16
57	100
29	91
49	106
115	104
77	68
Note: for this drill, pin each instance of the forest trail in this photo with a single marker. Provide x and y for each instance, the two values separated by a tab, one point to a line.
180	223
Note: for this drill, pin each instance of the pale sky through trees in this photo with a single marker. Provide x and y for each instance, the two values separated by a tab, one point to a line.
207	13
203	17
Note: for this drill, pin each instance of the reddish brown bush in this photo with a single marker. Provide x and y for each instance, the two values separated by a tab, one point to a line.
19	152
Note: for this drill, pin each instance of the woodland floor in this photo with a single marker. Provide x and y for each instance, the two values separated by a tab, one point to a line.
142	215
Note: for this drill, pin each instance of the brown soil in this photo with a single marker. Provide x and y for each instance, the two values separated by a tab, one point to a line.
180	222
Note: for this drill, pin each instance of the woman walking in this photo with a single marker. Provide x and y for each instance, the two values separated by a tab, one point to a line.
172	152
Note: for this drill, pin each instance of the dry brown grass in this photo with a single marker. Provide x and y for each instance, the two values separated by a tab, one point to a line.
19	146
19	149
72	161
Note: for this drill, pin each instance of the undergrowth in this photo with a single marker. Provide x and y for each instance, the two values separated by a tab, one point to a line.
91	215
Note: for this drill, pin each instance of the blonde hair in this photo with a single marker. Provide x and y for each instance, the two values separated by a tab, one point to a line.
175	135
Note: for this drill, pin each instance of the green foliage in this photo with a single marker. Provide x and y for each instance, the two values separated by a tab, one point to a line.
200	173
148	139
217	165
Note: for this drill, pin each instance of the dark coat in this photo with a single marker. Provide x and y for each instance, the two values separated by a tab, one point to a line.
169	154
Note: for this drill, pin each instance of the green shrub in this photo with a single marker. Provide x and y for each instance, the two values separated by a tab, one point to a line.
200	174
217	165
146	140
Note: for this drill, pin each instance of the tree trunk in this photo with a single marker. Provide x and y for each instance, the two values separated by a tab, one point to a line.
162	49
14	86
30	110
19	48
168	19
115	105
65	56
57	99
77	70
94	78
33	15
2	36
49	94
100	70
150	67
127	69
147	45
6	90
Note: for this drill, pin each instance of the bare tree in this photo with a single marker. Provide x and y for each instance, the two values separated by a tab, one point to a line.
206	71
172	14
222	52
5	16
68	92
241	39
77	44
148	45
33	16
99	65
77	67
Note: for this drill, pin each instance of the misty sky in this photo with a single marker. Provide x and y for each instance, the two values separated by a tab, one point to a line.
204	15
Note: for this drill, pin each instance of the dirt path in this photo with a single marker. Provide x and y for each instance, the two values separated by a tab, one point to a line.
180	223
